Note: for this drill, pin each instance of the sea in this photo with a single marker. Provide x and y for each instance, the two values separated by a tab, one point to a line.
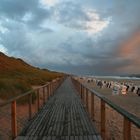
116	77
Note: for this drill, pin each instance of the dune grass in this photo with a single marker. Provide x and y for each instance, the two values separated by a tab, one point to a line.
18	77
13	85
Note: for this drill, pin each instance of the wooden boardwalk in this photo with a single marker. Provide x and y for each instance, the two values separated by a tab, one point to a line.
64	117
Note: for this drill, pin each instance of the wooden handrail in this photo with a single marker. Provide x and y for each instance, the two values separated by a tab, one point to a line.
128	117
13	101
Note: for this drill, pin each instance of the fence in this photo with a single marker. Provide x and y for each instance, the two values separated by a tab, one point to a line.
128	118
47	90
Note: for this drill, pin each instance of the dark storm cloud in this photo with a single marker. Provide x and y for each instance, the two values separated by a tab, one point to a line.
83	37
17	9
70	14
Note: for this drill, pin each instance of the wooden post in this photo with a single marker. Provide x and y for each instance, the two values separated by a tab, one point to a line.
87	98
54	85
38	100
79	88
30	106
81	91
84	94
50	89
126	129
43	95
47	92
13	120
103	119
92	106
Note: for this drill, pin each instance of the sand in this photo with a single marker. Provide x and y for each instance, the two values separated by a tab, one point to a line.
114	121
22	117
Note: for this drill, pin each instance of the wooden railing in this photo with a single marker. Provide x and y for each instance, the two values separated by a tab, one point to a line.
48	90
84	91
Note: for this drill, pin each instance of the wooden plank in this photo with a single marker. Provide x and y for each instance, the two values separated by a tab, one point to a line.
47	138
49	119
63	115
37	121
99	137
71	137
20	138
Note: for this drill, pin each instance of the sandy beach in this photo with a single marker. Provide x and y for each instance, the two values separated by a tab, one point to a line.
114	121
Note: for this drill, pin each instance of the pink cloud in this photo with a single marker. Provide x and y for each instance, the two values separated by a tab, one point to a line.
129	50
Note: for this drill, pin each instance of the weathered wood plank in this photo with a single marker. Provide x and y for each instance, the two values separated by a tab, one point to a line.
63	117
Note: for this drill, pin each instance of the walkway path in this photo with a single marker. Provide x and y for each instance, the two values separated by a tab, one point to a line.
64	117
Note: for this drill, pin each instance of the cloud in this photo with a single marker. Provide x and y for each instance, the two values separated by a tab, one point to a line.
130	46
16	9
48	2
129	51
75	36
95	23
81	18
3	29
3	49
30	13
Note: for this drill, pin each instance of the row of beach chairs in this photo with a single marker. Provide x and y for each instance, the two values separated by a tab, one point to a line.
116	87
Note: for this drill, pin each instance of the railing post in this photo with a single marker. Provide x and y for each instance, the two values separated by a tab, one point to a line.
47	92
50	89
81	91
79	87
43	95
92	106
30	106
53	88
126	129
87	99
13	120
84	97
103	119
38	100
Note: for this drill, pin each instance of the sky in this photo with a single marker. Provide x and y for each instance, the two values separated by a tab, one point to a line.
84	37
